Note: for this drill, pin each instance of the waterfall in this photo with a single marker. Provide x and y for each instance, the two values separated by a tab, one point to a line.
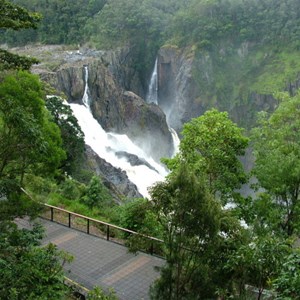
176	141
152	96
85	98
108	145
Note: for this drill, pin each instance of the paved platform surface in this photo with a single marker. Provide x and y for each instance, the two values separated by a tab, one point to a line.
102	263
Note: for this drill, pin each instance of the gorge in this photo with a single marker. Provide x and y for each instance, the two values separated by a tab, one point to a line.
116	96
124	133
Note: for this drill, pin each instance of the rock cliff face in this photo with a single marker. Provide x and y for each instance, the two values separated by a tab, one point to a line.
114	179
146	125
177	90
182	78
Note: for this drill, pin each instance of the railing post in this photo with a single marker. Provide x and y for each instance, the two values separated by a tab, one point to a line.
52	212
88	226
107	232
70	220
151	248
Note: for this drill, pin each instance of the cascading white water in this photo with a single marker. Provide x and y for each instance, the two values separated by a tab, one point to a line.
106	145
85	98
152	96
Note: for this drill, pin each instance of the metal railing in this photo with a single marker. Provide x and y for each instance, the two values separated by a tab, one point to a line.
101	229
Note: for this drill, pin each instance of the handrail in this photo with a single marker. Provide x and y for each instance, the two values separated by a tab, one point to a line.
108	225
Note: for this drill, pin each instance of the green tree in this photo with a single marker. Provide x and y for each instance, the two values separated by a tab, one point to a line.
98	294
257	263
211	145
71	133
16	17
30	142
138	215
287	284
28	271
190	219
261	213
132	214
277	156
96	194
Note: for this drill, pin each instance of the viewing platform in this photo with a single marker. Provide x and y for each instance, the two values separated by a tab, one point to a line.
102	262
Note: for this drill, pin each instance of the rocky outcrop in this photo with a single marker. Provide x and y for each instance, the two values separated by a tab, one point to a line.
114	179
134	160
105	97
120	65
146	125
293	87
246	113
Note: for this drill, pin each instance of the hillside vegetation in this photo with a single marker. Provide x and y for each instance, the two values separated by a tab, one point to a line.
251	47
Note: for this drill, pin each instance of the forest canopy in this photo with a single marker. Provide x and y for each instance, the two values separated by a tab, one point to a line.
204	23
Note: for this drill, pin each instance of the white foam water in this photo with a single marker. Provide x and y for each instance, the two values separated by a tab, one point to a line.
107	144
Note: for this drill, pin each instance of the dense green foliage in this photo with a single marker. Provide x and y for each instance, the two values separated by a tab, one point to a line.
257	263
96	194
62	23
277	150
71	133
15	17
233	256
209	23
190	219
211	145
30	145
12	61
204	23
28	271
287	284
133	214
199	237
99	294
30	141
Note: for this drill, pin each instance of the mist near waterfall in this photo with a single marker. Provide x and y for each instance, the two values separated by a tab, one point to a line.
176	141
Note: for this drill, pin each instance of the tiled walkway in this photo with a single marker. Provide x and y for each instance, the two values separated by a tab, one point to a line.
102	263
